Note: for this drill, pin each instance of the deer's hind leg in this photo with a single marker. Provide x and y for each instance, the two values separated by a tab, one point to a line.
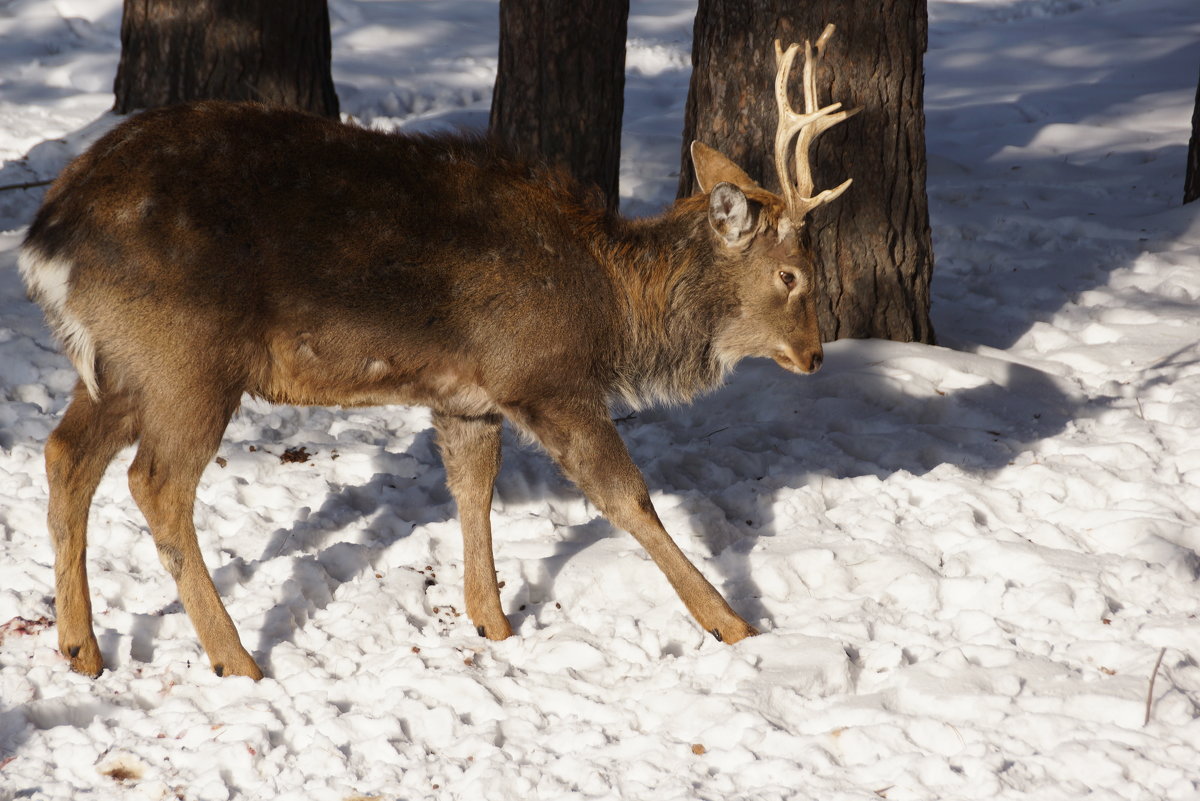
471	453
90	434
181	431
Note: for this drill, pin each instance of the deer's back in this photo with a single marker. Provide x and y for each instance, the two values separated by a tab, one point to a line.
322	263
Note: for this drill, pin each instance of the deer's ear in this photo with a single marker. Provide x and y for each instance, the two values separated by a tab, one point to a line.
712	168
731	214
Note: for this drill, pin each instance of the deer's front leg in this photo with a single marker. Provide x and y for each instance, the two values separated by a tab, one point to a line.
471	452
590	451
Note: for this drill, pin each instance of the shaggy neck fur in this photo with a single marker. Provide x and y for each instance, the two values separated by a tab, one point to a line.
673	299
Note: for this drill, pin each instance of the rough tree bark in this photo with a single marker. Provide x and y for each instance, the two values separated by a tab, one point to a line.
272	51
560	85
873	242
1191	181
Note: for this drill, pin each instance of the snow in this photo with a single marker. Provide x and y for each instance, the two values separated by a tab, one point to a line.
964	559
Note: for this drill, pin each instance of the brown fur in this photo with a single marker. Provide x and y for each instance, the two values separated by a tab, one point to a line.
201	252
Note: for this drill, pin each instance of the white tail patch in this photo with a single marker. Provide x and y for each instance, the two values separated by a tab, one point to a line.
48	282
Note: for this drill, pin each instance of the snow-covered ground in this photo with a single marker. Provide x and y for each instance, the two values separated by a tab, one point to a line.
964	559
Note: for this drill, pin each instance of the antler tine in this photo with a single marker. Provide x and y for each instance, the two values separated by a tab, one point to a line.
810	79
804	128
810	72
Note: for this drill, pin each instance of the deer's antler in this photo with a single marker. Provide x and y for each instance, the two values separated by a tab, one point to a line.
803	128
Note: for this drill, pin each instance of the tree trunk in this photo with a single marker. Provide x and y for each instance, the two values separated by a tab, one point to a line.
272	51
560	85
1191	181
873	243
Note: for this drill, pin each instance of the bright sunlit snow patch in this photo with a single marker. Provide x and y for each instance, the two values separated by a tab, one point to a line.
964	559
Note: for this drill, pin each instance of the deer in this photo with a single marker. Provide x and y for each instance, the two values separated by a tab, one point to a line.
202	252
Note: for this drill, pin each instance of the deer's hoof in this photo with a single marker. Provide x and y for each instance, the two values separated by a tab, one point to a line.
84	658
499	630
734	633
241	665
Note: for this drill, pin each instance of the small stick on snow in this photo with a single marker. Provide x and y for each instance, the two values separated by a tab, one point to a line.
1150	691
27	185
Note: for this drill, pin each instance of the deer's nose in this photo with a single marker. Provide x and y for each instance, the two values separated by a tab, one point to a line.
804	361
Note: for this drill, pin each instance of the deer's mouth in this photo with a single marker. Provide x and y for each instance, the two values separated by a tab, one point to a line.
799	363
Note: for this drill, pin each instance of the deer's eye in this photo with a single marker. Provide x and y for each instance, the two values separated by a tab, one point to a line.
789	279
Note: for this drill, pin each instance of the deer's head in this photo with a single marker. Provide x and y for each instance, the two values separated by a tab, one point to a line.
759	234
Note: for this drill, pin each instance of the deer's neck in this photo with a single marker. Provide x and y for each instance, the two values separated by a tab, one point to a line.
672	302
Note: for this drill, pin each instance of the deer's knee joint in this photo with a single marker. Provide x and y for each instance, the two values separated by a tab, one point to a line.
141	481
57	447
629	510
60	453
61	539
171	559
